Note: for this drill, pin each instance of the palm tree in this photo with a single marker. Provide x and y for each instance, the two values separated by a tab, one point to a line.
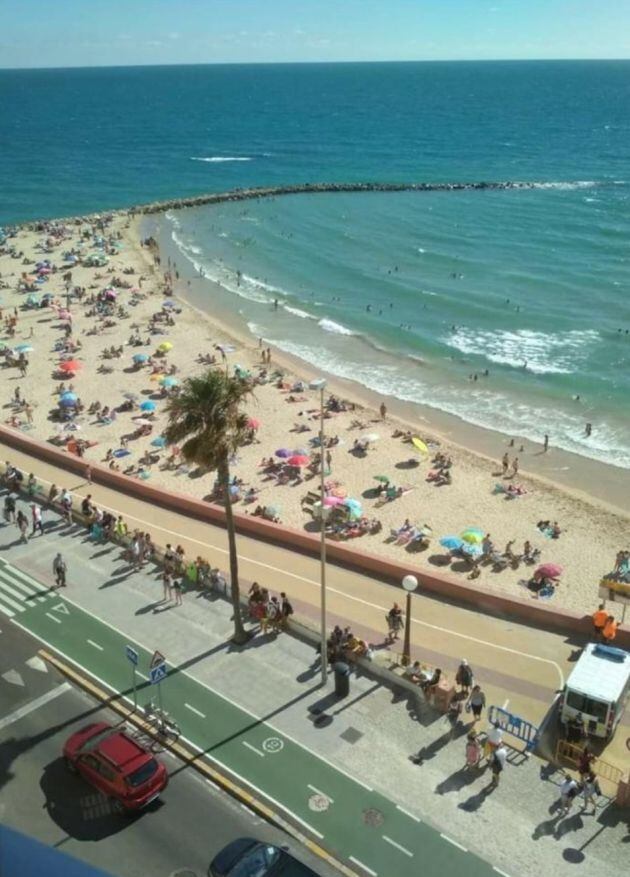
204	418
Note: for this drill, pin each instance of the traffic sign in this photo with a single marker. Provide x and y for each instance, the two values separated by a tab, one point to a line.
158	658
132	655
157	673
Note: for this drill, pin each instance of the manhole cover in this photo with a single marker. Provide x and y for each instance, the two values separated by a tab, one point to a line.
322	720
351	735
318	803
273	744
373	817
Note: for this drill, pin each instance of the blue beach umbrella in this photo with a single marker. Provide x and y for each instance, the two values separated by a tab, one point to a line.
147	406
452	543
68	401
140	357
283	453
168	381
159	442
23	348
353	505
169	303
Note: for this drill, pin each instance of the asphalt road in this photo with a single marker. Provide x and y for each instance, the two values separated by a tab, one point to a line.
182	832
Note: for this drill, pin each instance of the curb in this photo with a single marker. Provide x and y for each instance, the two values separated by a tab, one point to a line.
115	702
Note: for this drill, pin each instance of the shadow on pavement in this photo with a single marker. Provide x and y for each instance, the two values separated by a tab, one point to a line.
458	780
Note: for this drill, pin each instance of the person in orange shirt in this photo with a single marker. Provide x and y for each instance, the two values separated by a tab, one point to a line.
610	629
600	617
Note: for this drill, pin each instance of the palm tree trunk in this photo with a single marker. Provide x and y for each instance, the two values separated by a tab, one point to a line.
240	634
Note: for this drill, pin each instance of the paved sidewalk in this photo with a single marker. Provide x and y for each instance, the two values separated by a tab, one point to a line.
372	735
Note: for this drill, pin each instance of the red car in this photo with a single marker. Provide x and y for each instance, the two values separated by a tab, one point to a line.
116	764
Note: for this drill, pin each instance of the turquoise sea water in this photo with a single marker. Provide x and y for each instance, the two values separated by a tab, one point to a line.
532	285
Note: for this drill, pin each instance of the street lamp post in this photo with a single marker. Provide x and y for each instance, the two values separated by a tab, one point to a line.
320	384
409	583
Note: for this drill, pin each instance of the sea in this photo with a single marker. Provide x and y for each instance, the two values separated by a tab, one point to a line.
509	309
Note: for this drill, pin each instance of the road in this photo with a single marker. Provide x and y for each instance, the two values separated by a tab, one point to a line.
193	820
518	665
333	806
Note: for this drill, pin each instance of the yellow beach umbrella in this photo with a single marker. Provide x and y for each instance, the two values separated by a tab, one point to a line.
157	377
419	445
165	346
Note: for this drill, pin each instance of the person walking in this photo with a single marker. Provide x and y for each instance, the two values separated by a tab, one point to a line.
167	582
286	610
498	760
178	587
270	617
473	751
9	509
383	410
60	570
476	702
600	617
65	501
569	790
464	676
586	761
394	620
22	525
505	463
36	514
514	467
590	791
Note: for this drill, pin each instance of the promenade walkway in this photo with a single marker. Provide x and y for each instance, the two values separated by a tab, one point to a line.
349	782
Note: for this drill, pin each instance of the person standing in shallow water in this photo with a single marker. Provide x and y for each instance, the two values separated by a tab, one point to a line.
383	410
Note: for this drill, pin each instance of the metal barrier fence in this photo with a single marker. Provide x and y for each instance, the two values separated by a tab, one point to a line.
571	753
514	725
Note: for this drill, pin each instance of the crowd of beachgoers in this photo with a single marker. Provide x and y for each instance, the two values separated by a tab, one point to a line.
97	334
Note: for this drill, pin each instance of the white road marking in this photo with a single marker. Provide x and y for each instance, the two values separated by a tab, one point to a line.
61	607
34	705
24	590
36	663
6	611
52	618
317	584
454	842
502	873
96	645
398	846
13	677
361	865
407	813
506	704
317	792
253	748
193	710
19	607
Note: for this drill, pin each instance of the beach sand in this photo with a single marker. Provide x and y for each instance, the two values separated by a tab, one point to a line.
592	532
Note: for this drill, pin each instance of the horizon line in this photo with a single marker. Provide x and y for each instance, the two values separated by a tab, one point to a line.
323	63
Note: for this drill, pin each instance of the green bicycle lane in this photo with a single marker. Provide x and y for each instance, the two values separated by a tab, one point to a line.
356	823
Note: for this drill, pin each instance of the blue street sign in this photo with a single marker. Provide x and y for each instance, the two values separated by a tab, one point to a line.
157	673
132	655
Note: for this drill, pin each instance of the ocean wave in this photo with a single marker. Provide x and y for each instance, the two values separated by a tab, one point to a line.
566	186
220	158
543	352
297	312
336	328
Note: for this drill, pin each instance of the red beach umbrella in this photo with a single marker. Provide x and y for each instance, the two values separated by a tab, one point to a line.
71	365
298	460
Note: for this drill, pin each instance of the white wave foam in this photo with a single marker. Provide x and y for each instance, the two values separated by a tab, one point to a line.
255	329
337	328
576	184
220	158
297	312
544	352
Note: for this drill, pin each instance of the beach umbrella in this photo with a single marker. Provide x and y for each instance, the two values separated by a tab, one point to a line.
332	501
273	511
370	437
69	395
32	299
169	381
472	550
148	406
165	346
157	376
284	453
353	505
169	303
339	492
419	445
549	571
68	401
23	348
452	543
253	423
382	478
299	460
132	397
471	537
140	357
301	452
159	442
71	365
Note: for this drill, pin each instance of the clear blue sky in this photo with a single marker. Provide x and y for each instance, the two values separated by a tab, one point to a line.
69	33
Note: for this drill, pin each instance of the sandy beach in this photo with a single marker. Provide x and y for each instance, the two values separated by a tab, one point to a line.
591	533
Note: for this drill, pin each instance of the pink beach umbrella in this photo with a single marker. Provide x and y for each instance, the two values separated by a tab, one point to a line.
549	571
298	460
332	501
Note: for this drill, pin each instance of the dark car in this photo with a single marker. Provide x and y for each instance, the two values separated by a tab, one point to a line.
116	764
247	857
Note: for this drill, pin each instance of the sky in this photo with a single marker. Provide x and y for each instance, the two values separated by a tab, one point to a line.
77	33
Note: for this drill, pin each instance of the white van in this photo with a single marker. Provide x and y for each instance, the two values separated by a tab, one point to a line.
598	688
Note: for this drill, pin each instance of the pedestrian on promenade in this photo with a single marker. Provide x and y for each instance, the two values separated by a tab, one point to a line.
569	790
494	739
88	474
464	676
167	581
497	764
590	791
454	714
65	500
60	570
286	609
9	509
36	514
610	629
394	620
473	751
600	617
22	525
169	557
586	761
120	528
271	616
178	587
53	494
476	702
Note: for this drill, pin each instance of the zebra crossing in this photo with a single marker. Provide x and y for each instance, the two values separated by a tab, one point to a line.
19	591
